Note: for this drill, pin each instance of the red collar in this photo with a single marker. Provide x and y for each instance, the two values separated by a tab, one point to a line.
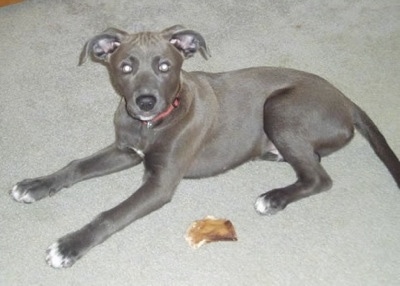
164	114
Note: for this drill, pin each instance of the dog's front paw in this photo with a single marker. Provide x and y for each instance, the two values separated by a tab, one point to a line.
63	253
68	249
31	190
271	202
21	195
60	257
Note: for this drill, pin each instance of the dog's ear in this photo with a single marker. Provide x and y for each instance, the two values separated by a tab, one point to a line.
187	41
103	45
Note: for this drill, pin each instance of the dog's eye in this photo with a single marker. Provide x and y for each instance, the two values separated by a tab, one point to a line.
126	68
164	67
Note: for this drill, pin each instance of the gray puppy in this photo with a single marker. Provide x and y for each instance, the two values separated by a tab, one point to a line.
196	124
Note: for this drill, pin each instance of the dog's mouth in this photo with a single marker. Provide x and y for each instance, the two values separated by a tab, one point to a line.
141	115
146	118
151	109
153	116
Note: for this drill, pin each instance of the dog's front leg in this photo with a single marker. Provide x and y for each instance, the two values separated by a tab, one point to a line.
106	161
156	191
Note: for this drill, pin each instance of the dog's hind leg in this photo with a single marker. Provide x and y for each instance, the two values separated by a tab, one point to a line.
302	127
275	156
311	176
312	179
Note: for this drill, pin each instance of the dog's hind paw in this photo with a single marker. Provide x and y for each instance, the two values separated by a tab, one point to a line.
270	203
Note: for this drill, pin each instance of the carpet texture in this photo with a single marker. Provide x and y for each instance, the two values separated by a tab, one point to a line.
53	111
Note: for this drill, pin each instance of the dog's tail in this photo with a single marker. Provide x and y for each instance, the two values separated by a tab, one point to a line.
370	131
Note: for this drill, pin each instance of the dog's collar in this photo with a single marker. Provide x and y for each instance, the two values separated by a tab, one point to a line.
162	115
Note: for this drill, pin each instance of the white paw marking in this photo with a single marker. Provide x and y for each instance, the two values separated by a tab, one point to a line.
55	259
21	196
272	149
260	205
279	157
263	206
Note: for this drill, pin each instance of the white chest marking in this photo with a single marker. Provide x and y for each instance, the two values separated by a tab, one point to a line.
138	151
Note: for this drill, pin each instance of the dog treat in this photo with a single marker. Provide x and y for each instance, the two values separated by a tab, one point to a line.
209	229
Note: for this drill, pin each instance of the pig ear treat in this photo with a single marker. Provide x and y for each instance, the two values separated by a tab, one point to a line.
210	229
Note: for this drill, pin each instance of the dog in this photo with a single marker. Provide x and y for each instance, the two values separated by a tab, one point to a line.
196	124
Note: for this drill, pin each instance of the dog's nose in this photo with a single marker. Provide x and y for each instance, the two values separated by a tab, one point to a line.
146	102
